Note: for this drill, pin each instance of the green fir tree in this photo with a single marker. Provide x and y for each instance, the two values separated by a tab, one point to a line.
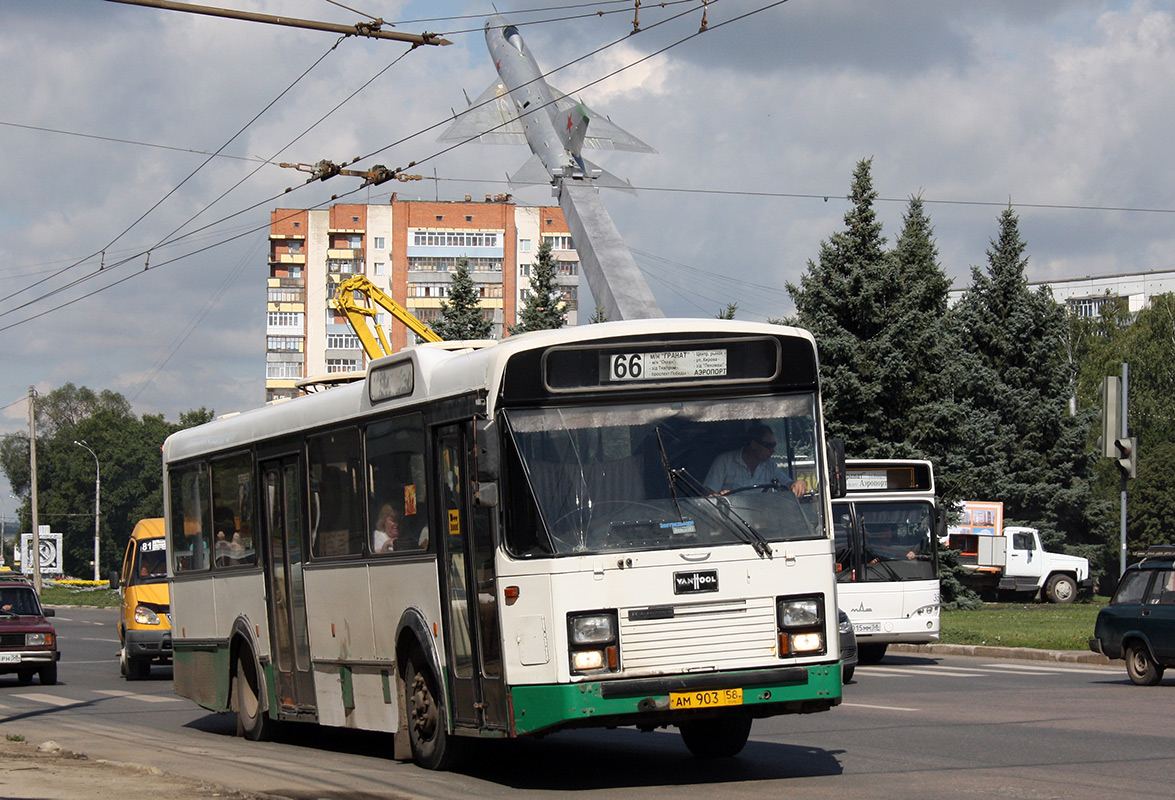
461	315
544	308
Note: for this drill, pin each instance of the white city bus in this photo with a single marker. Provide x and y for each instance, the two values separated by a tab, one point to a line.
887	529
555	561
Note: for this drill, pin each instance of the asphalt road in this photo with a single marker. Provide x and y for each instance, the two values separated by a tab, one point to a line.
914	726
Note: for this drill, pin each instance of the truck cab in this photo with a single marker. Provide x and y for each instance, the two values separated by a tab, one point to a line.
1028	567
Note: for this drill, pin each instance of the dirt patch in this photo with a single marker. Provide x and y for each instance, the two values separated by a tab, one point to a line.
48	772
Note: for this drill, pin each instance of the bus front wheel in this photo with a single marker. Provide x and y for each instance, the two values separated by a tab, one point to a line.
252	721
432	746
716	738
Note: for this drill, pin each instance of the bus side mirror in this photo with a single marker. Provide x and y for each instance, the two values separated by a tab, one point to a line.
836	467
488	453
113	579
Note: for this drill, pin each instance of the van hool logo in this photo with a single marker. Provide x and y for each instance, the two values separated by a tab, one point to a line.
694	582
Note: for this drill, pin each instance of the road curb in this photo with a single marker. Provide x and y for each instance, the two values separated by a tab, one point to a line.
988	651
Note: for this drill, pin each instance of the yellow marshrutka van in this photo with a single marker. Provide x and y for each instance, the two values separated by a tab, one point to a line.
144	624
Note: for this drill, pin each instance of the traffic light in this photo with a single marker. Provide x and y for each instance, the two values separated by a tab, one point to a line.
1126	451
1111	415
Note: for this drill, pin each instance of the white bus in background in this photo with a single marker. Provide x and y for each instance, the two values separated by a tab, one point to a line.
887	529
555	561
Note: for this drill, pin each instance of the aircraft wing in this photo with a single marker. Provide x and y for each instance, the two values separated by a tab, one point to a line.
490	119
602	133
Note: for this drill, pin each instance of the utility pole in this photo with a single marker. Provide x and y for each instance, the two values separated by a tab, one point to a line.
36	554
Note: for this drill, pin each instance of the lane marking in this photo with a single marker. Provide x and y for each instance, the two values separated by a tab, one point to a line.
134	696
1050	668
921	672
49	699
881	708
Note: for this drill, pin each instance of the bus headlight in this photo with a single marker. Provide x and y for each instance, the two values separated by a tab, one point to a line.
145	616
800	623
592	642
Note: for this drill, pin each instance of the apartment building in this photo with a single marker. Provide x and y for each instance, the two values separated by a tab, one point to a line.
409	249
1085	296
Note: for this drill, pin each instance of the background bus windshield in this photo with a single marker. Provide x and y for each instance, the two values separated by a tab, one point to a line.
638	476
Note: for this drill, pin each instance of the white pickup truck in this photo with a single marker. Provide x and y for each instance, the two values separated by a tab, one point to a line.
1011	559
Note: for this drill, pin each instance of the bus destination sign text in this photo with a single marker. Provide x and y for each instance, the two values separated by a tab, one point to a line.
665	365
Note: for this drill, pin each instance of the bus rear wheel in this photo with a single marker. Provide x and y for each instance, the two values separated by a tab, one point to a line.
252	721
432	746
716	738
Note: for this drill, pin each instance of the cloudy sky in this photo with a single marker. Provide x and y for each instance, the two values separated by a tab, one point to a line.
133	259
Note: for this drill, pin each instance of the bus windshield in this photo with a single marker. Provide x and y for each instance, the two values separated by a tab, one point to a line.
637	476
896	540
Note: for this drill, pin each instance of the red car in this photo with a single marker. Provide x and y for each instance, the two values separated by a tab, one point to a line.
28	643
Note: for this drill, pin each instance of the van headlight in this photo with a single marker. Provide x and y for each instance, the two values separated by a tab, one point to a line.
145	616
593	643
800	622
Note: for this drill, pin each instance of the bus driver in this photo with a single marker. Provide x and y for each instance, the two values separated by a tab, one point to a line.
751	465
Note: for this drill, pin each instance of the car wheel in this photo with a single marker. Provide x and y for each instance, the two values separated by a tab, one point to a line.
24	677
847	674
1061	589
716	738
870	653
1141	668
48	674
252	721
133	669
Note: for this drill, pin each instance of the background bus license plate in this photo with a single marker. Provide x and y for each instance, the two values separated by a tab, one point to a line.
866	627
710	698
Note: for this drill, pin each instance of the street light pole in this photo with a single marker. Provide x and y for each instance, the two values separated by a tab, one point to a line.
97	502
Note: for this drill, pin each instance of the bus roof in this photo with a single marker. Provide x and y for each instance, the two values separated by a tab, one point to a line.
438	370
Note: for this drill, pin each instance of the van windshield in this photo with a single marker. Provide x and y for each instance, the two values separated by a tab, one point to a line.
150	562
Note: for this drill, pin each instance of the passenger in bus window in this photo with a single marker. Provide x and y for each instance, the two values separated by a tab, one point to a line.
751	465
392	534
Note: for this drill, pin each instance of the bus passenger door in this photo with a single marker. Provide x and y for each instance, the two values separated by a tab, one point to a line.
474	641
290	645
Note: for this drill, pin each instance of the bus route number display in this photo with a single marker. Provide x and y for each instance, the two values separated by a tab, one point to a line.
666	365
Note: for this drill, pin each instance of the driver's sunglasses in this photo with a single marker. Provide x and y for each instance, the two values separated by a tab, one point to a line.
766	445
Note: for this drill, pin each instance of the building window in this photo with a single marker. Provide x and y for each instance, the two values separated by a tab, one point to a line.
456	238
449	264
524	245
283	344
279	370
295	247
378	268
342	341
277	295
560	242
354	241
378	243
285	319
1087	307
297	224
341	365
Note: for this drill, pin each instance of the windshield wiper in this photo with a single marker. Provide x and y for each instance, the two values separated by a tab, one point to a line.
669	474
725	512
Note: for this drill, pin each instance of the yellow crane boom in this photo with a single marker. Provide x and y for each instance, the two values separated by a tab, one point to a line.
360	315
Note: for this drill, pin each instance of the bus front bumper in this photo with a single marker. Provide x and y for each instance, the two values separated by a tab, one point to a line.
657	702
